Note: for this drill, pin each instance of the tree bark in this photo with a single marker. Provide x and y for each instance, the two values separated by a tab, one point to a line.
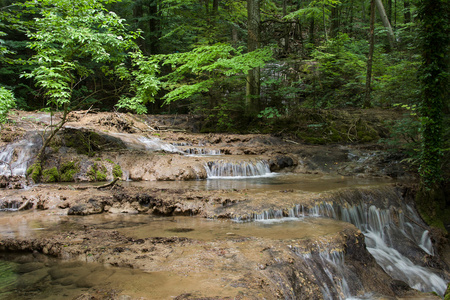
215	7
386	23
154	26
367	101
434	22
311	31
334	28
407	11
137	14
253	76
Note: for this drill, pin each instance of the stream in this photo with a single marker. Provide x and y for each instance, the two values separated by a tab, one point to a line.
282	234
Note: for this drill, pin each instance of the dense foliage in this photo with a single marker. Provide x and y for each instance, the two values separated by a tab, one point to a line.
186	56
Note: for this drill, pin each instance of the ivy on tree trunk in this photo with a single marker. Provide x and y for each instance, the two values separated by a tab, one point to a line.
433	15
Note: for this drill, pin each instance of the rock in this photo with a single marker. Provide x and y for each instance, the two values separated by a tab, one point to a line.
281	162
93	206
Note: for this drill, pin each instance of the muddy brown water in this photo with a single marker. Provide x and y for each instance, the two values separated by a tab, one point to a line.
41	277
38	224
47	278
273	182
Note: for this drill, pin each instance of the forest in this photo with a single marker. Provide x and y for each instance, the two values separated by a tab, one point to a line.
245	66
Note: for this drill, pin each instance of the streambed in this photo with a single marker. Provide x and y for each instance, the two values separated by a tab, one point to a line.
252	227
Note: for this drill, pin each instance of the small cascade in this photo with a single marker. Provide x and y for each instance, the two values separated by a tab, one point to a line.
298	211
329	270
392	236
221	169
202	151
268	215
387	234
9	205
15	157
155	144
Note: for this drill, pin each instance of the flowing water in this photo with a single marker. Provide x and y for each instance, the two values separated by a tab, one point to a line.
393	236
15	157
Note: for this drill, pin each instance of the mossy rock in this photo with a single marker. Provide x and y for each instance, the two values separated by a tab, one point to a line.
89	142
97	172
50	175
34	171
117	171
68	171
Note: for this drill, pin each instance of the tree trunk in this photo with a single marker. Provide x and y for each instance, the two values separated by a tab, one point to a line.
389	11
324	22
334	28
253	76
154	26
434	20
137	14
311	31
351	16
215	7
407	11
367	101
234	35
286	29
386	23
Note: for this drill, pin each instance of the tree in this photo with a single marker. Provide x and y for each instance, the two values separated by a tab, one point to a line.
370	56
72	41
434	24
386	23
253	43
198	70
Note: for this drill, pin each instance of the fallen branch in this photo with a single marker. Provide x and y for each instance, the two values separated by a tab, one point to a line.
25	205
289	141
111	184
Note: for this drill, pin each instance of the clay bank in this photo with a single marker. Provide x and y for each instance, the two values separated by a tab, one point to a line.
143	207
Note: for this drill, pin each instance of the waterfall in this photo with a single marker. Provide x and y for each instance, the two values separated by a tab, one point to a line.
221	169
155	144
385	238
328	268
15	157
390	235
9	205
202	151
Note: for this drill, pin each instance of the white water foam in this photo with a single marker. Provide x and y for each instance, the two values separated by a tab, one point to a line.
155	144
244	169
15	157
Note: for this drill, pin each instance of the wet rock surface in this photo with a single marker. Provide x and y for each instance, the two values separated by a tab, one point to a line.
169	164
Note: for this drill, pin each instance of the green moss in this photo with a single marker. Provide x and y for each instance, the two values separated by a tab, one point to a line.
110	161
83	142
100	176
97	172
117	171
68	170
447	293
34	171
430	203
50	175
